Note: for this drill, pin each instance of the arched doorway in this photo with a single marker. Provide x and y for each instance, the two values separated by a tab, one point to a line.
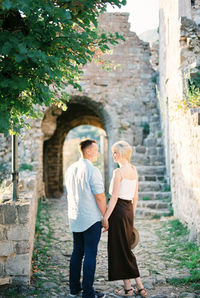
56	125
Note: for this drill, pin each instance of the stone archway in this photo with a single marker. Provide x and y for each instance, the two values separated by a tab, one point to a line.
56	124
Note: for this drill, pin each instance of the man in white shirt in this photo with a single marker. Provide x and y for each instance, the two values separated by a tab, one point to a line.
86	206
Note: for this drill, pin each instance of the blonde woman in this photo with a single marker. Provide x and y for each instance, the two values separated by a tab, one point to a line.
118	220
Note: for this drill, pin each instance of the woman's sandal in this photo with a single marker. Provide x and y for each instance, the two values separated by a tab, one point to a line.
123	292
139	292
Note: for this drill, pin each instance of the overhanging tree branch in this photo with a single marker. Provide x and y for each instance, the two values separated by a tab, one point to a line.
45	42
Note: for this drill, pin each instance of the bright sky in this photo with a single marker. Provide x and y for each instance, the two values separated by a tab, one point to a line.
143	14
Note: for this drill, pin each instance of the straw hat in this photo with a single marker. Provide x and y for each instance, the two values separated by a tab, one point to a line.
134	238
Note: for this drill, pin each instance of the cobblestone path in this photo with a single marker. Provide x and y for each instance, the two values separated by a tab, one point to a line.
53	249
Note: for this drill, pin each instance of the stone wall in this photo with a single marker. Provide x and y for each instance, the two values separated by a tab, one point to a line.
17	230
122	101
17	219
5	151
5	157
189	45
196	11
30	153
179	51
127	93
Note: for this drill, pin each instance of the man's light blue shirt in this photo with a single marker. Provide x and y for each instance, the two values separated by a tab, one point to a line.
83	182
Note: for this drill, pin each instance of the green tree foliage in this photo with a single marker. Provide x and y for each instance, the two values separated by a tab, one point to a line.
43	45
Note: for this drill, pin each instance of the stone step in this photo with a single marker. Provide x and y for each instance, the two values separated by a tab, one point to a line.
151	213
160	178
151	170
153	204
154	201
151	141
151	186
152	195
150	160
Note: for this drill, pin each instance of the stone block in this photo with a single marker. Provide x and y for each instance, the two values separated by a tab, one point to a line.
140	159
2	234
30	184
149	186
18	265
8	182
150	142
154	126
18	232
160	178
151	170
141	149
23	213
162	195
141	178
22	247
157	160
139	136
1	214
160	151
5	281
159	142
21	186
20	280
193	234
6	248
2	271
155	118
150	178
163	205
9	214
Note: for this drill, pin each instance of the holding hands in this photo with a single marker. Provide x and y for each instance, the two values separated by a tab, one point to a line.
105	224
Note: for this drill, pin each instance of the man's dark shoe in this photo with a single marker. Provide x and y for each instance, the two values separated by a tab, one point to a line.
74	295
99	294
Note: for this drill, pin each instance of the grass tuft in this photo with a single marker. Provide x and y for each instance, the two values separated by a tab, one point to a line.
187	254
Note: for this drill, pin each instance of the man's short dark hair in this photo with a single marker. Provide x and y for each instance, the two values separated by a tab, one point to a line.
86	143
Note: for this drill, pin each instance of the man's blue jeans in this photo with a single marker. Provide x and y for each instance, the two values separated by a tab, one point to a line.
85	244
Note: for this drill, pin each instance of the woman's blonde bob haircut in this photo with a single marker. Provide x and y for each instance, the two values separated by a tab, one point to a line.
123	148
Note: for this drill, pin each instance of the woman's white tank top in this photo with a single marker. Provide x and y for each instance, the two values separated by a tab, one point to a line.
127	189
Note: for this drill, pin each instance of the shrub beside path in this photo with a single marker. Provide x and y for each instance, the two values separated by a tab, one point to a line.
53	247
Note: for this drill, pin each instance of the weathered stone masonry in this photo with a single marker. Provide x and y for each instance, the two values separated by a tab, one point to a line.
17	219
17	229
122	102
180	52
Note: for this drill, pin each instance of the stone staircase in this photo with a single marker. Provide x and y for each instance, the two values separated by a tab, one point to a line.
154	192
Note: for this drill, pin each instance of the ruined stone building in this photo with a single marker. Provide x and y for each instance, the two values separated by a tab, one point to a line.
179	55
126	103
123	103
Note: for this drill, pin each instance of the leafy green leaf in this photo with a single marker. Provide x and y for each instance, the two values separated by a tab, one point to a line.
6	5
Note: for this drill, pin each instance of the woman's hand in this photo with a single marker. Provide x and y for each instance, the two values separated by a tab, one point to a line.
105	224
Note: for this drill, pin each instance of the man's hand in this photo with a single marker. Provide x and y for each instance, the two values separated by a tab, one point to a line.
105	224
